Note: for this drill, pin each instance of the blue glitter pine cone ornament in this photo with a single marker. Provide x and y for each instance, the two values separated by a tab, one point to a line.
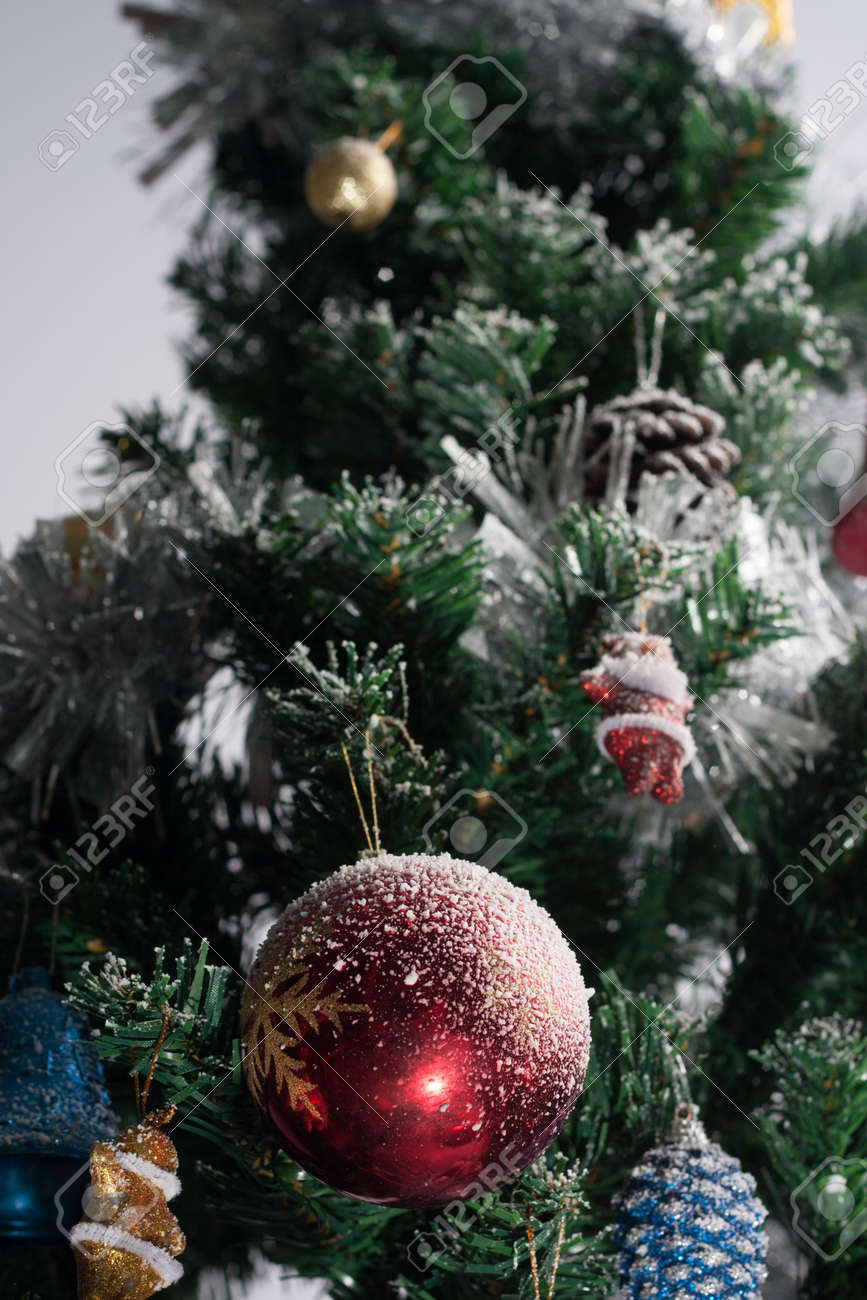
690	1223
53	1104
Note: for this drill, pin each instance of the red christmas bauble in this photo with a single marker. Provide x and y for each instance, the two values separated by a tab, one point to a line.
411	1023
850	540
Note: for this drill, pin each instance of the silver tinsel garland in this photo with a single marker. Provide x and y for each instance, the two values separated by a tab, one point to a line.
96	631
232	61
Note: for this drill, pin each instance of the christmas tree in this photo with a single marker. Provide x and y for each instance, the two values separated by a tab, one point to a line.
508	572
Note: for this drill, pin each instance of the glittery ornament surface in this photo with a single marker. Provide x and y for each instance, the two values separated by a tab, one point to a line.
351	182
413	1020
690	1224
125	1246
52	1095
644	698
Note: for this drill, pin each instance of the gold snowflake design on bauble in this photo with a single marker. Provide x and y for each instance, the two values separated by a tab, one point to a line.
507	998
275	1025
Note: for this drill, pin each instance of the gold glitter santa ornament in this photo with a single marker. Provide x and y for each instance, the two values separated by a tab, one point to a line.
126	1244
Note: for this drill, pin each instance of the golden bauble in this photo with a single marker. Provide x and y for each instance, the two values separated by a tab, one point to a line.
351	181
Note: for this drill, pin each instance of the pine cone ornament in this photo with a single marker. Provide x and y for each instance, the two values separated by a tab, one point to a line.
126	1244
655	431
644	696
690	1223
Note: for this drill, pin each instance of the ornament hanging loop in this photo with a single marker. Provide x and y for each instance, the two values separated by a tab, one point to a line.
646	597
142	1094
558	1249
686	1126
373	843
685	1105
390	136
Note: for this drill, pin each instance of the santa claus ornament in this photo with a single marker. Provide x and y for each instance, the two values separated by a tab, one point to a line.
644	698
414	1023
128	1240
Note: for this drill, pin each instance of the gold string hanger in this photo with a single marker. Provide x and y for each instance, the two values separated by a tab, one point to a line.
566	1205
646	598
374	844
142	1094
390	135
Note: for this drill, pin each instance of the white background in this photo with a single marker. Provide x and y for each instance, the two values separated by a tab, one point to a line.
88	321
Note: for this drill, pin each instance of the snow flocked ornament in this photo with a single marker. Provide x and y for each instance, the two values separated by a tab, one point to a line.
351	182
690	1223
411	1022
644	697
126	1244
